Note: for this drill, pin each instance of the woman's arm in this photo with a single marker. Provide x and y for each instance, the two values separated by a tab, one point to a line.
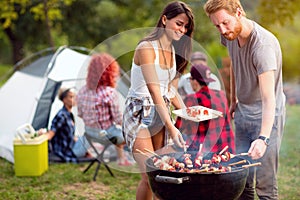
176	101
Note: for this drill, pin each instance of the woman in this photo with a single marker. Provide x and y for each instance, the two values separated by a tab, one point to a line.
97	102
146	119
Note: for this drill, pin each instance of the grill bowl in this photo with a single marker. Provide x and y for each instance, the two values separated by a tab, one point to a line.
168	185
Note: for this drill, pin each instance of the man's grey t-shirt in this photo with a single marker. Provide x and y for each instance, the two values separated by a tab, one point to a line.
260	54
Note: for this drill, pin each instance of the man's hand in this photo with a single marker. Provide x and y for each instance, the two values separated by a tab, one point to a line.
257	149
232	110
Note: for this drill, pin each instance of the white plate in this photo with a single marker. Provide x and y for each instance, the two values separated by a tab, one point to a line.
212	114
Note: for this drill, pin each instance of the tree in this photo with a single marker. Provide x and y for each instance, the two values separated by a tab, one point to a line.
277	11
23	20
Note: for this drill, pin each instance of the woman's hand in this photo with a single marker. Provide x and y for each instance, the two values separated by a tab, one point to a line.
177	138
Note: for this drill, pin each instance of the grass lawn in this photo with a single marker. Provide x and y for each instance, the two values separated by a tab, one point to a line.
66	181
289	163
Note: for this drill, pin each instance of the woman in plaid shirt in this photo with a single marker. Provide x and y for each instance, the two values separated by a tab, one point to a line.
98	103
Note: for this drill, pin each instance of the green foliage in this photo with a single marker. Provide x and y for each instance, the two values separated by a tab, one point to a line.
290	42
204	32
217	52
5	49
122	45
90	23
5	72
29	23
277	11
52	8
9	13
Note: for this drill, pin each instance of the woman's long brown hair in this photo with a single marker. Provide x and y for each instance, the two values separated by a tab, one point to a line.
183	47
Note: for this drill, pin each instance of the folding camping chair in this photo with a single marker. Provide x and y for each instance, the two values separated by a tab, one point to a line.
99	155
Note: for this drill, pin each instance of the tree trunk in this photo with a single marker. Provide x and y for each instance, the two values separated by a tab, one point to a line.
48	27
17	46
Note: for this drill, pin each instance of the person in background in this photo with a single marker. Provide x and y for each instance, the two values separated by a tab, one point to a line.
184	86
214	134
146	120
257	98
201	58
63	142
98	104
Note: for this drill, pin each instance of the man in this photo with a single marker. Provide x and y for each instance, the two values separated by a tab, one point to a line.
200	58
214	134
257	98
64	143
184	87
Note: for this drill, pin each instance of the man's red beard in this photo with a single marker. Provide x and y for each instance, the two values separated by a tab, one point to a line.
232	35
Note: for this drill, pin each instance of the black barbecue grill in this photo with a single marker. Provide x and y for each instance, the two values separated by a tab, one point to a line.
172	185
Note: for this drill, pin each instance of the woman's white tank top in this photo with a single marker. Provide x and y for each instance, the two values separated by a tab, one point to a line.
138	86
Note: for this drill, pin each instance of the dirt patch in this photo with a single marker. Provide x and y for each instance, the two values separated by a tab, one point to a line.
90	191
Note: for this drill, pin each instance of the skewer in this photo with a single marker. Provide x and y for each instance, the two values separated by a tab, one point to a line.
243	154
237	163
219	114
153	153
216	171
184	148
199	153
199	170
224	149
252	165
143	153
240	154
200	148
203	170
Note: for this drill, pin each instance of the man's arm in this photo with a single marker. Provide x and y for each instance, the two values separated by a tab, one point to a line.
233	100
267	92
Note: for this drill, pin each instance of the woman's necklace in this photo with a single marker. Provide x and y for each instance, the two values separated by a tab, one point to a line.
166	64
